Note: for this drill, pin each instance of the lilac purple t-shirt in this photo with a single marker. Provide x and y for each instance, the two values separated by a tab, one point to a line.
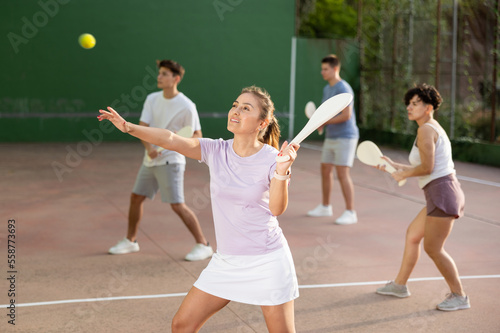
239	187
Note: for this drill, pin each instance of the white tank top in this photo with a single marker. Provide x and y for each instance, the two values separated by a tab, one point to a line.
443	163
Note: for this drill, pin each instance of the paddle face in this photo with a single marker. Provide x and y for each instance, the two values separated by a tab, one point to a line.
310	108
326	111
185	132
370	154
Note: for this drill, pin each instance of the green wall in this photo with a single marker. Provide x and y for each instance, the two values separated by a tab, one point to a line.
51	88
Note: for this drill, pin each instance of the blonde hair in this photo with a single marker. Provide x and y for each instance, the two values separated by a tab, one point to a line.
271	133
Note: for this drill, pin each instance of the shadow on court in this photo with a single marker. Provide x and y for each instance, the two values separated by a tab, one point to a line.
70	204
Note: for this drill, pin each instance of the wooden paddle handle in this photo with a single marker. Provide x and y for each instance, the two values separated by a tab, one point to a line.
390	169
282	158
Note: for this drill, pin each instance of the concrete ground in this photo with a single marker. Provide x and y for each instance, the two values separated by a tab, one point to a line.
70	204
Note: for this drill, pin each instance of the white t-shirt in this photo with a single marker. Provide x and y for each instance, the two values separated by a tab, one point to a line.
443	163
172	114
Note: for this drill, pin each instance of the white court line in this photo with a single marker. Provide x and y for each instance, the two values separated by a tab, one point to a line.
100	299
479	181
310	286
350	284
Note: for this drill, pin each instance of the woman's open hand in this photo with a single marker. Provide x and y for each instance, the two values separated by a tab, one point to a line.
115	118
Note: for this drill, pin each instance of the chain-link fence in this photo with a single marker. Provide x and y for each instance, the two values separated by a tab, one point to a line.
447	43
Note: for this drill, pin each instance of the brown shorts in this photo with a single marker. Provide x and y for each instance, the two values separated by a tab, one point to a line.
444	197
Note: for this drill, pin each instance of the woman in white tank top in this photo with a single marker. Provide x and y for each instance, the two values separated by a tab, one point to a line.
431	161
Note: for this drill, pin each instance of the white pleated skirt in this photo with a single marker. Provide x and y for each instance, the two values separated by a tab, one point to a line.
267	279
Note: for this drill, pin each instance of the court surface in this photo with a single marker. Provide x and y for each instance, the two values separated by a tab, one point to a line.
66	282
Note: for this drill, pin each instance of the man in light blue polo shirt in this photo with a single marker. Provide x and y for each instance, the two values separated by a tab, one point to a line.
341	139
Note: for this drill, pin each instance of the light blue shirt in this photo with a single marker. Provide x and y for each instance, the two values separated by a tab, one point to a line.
348	129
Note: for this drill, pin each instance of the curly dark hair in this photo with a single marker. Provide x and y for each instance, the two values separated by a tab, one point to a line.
427	94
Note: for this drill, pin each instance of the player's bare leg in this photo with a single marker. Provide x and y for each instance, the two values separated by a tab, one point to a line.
326	182
437	230
280	318
411	254
191	221
344	177
196	308
135	215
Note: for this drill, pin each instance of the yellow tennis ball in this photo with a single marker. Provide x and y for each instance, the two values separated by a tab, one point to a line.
87	41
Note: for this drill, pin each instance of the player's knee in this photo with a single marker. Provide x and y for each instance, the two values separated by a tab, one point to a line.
432	250
413	238
343	172
178	208
343	177
136	199
181	324
326	168
176	324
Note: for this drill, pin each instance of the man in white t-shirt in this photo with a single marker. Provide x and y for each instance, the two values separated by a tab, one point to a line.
164	169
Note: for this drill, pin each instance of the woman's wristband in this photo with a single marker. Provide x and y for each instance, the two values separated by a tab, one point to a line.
280	177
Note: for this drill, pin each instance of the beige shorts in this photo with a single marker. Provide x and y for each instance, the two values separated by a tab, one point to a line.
339	151
168	178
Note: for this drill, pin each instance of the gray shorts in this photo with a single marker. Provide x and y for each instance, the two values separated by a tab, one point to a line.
339	151
444	197
169	178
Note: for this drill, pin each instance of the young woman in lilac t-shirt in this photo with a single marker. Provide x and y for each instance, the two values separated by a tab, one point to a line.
249	189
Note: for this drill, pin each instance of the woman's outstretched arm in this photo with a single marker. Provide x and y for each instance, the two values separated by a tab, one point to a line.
189	147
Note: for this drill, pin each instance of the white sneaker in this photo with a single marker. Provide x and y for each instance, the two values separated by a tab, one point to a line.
347	217
199	252
124	246
320	211
454	302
